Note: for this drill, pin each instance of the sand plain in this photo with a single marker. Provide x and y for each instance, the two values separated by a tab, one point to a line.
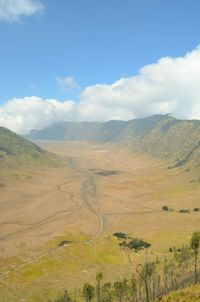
99	190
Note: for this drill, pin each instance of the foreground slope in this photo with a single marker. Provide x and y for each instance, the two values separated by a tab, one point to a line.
160	135
189	294
15	149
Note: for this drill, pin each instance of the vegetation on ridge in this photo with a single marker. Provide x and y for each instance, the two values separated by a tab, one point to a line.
159	135
149	281
18	150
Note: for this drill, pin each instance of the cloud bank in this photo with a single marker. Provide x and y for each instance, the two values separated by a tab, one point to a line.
171	85
22	115
13	10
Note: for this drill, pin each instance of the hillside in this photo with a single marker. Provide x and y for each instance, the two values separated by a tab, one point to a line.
57	224
15	149
160	135
67	131
190	294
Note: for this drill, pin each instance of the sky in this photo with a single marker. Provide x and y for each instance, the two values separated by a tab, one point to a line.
97	60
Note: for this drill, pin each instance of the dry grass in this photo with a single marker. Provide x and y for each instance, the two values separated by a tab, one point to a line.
42	207
190	294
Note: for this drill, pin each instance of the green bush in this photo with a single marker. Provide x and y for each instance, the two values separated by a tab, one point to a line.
165	208
120	235
196	209
184	211
136	244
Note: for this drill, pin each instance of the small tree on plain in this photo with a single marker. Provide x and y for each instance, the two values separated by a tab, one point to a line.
88	292
106	292
99	278
146	274
195	244
133	289
121	289
64	298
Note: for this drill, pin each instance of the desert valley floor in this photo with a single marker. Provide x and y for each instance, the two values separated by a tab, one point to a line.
56	224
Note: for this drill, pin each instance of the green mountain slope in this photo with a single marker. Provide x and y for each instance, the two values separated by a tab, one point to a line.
189	294
167	138
159	135
15	149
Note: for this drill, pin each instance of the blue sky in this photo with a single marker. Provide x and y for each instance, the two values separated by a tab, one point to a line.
97	60
94	41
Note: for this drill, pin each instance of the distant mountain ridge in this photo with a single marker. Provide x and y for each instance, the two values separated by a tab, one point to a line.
159	135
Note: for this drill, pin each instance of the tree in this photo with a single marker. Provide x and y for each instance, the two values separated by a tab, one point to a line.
64	298
183	257
121	289
133	288
195	244
136	244
120	235
88	292
106	292
99	278
146	274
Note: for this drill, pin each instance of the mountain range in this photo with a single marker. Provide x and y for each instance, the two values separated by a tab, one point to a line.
161	136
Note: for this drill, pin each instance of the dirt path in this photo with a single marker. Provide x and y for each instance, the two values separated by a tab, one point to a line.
59	187
89	196
53	217
82	168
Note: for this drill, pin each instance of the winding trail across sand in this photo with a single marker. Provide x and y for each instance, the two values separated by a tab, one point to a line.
89	197
48	219
86	195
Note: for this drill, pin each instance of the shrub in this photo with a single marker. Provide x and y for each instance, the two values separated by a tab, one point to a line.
64	242
174	250
136	244
64	298
165	208
120	235
184	211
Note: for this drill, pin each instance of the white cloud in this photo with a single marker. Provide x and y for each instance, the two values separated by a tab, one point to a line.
13	10
23	115
67	84
171	85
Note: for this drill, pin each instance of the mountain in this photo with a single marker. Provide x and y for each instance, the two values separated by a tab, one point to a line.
15	149
159	135
67	131
165	137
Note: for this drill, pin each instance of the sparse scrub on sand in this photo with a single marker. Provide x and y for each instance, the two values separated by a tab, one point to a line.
150	280
184	211
168	209
50	211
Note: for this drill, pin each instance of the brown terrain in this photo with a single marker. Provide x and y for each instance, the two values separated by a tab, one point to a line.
99	190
